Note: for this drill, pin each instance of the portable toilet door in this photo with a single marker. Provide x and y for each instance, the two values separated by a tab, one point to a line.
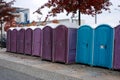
8	40
28	41
116	62
60	48
103	46
37	42
47	43
13	40
84	51
21	41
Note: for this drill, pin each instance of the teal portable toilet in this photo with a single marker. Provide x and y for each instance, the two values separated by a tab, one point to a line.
84	45
103	46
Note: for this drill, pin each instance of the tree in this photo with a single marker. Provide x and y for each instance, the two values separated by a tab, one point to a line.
90	7
6	12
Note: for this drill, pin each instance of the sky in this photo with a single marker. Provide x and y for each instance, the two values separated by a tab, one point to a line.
112	18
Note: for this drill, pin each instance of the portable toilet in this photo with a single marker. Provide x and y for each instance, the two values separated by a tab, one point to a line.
84	51
28	41
116	60
103	46
13	40
64	44
8	40
37	41
21	41
47	43
47	46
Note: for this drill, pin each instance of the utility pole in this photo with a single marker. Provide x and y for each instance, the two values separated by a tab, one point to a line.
95	18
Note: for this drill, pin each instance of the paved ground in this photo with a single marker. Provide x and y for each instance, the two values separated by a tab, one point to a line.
8	74
35	68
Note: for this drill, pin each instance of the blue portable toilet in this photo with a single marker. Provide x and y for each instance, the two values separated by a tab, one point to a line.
103	46
84	45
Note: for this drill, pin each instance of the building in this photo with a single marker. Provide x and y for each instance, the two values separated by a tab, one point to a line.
24	15
24	18
63	21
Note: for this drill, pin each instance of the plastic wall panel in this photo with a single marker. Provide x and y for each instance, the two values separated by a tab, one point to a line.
116	62
8	40
72	40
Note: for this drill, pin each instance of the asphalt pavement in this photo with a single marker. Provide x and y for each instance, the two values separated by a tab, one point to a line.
8	74
23	67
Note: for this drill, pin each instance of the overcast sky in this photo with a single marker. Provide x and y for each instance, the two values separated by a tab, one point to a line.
106	17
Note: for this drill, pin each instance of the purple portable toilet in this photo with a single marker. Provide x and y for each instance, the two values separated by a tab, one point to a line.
28	41
20	41
64	44
47	43
37	41
47	46
13	40
116	59
8	40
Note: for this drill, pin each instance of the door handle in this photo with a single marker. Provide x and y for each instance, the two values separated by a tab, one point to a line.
86	44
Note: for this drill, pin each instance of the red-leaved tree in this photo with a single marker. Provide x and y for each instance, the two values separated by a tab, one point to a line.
7	12
90	7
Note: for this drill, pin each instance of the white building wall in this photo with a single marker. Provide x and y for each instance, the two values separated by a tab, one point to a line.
20	18
65	21
24	15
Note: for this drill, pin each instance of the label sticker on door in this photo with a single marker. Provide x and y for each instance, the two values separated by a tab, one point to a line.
102	46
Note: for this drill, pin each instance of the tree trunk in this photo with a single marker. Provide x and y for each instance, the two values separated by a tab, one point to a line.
1	35
79	18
